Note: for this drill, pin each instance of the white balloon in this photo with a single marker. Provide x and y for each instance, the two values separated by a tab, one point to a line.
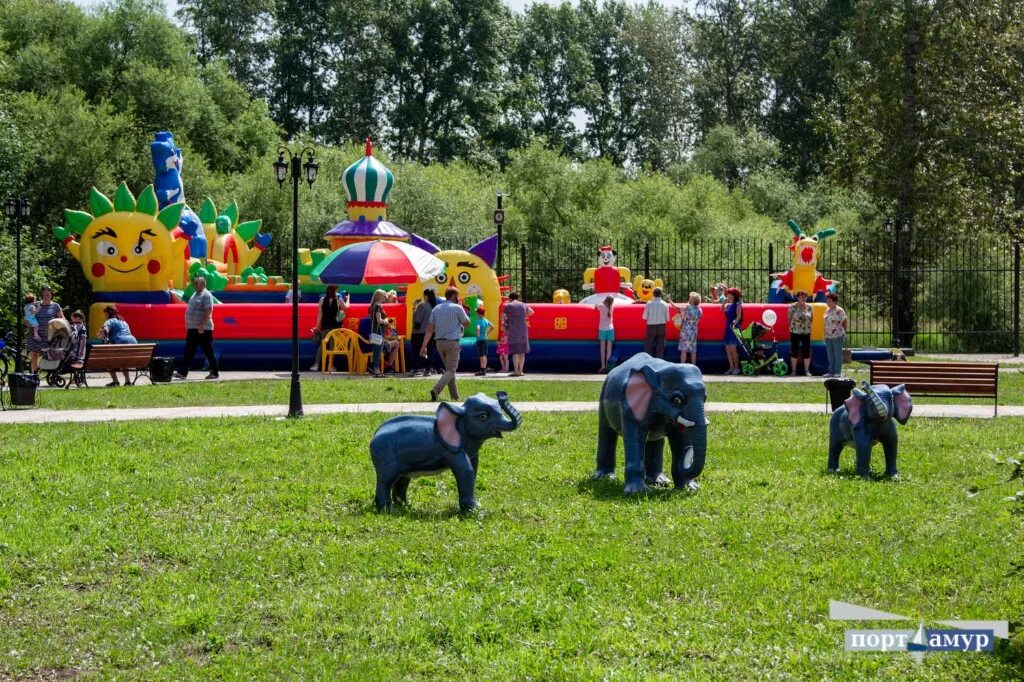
769	318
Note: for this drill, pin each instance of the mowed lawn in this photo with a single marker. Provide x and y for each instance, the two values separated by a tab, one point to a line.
249	548
345	390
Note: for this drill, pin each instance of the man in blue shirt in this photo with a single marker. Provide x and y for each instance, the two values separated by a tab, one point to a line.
447	322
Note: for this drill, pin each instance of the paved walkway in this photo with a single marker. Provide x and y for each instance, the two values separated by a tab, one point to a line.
144	414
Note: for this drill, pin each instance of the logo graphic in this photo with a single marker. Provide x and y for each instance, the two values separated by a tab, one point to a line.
964	635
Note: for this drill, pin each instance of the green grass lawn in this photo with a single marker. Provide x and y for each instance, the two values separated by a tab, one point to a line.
249	548
275	391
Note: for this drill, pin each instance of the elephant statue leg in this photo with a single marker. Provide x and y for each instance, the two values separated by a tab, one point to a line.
634	441
890	441
654	462
399	492
465	480
383	496
862	443
607	441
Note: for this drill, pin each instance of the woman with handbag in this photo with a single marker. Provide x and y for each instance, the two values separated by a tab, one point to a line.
378	323
330	315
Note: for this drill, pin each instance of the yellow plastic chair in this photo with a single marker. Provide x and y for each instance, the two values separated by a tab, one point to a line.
343	343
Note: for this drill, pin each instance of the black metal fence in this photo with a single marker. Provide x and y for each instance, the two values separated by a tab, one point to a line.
961	296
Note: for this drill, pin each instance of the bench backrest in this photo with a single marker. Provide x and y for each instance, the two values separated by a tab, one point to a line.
939	378
119	356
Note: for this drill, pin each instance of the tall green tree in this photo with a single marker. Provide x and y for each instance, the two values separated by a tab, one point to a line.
235	32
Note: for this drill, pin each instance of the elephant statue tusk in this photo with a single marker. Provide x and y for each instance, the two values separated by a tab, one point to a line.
685	422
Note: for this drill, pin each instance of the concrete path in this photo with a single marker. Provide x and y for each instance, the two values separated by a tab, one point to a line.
144	414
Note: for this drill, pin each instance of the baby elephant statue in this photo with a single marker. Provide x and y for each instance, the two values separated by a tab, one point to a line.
646	400
866	419
410	446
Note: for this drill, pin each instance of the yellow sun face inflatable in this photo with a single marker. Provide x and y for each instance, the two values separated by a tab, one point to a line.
125	245
471	275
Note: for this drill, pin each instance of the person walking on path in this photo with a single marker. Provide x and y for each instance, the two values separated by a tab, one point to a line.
420	321
835	334
800	315
330	315
732	307
656	314
447	322
199	330
605	330
514	318
47	309
116	330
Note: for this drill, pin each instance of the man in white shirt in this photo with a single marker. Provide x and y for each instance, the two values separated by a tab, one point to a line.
656	314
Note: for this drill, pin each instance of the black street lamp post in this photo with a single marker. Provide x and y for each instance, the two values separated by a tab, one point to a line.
281	167
17	209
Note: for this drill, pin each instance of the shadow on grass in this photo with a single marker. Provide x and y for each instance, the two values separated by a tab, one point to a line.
418	513
850	473
610	490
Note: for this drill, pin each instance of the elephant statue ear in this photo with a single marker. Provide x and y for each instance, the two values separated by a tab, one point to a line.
447	426
638	394
901	401
853	404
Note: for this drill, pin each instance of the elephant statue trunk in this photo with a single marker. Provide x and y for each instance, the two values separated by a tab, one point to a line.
509	410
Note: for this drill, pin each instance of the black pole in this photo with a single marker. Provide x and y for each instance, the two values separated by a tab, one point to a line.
499	224
1016	299
771	263
295	395
895	283
522	266
647	259
19	359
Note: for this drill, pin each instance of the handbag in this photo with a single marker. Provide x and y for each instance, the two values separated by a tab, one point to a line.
376	339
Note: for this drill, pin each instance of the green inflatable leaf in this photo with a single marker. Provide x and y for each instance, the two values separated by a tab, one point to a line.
170	216
208	213
827	232
232	212
77	220
248	229
61	233
147	201
795	228
99	204
124	200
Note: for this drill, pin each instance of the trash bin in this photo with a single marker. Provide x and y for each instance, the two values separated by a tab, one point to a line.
161	370
23	389
838	391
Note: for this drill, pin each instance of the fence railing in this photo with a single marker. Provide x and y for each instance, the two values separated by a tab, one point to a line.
959	297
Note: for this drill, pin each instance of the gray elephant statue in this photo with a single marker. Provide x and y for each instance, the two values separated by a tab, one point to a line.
408	446
865	419
646	400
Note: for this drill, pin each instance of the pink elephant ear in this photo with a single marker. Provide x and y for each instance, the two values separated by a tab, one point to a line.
903	404
853	409
638	395
448	428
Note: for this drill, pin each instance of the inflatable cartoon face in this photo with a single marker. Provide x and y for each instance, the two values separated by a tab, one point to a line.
471	273
124	245
805	251
560	296
606	257
644	288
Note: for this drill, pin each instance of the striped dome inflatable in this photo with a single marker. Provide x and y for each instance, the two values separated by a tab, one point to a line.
368	181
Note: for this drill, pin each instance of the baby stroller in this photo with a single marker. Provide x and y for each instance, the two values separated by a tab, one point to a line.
761	350
58	358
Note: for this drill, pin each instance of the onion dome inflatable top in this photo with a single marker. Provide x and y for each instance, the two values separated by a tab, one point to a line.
367	181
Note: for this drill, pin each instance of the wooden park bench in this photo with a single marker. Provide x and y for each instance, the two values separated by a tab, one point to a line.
118	357
955	379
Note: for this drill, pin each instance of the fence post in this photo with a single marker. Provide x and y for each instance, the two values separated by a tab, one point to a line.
771	263
522	270
647	259
895	298
1016	298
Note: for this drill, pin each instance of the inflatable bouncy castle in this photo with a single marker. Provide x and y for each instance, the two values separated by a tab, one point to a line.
803	275
142	252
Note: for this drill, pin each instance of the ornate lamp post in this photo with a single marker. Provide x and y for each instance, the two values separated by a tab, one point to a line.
281	168
17	209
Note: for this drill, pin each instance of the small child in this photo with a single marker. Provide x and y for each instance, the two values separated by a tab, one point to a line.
503	351
30	315
483	326
691	315
718	292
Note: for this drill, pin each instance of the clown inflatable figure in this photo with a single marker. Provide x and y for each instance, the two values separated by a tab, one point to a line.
606	278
